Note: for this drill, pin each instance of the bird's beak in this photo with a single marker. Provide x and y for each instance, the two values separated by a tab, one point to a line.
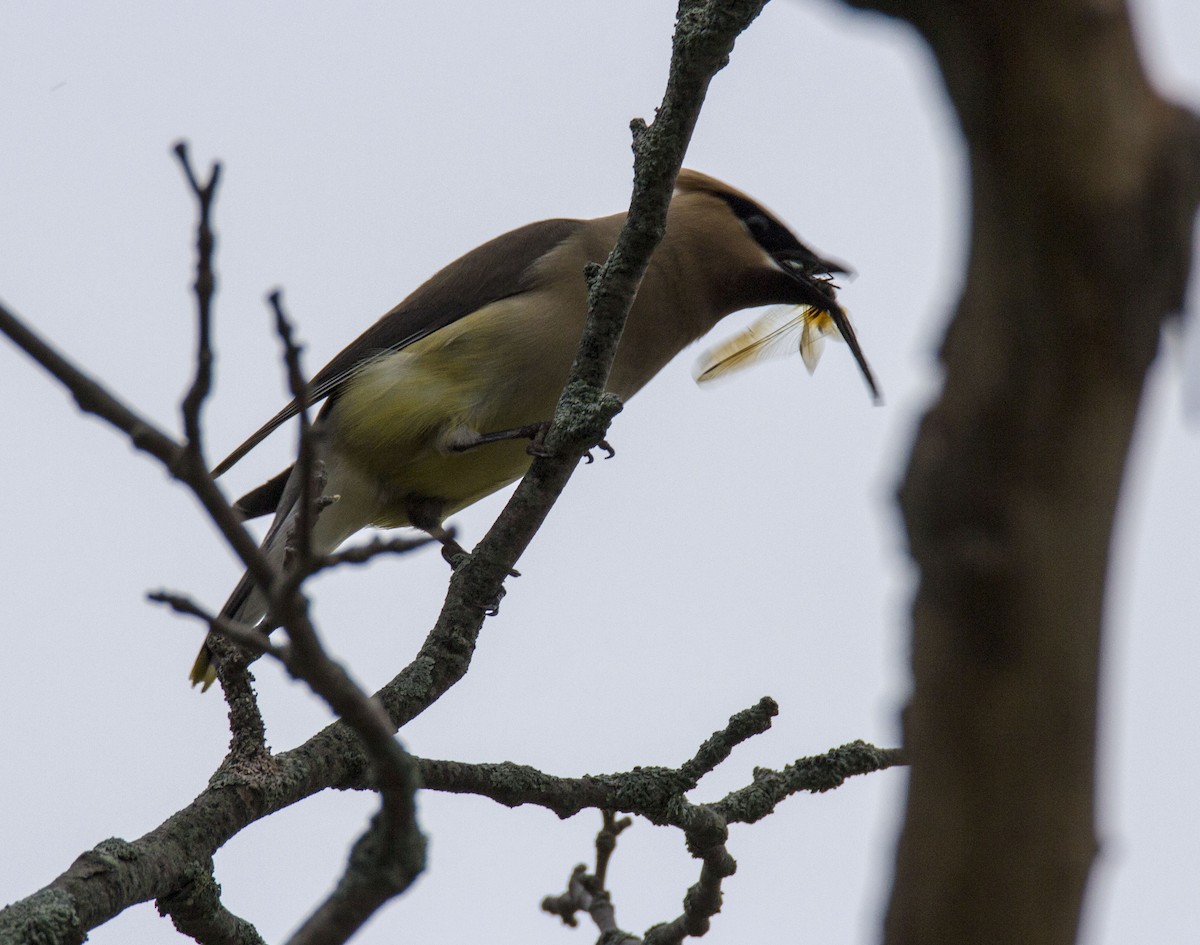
846	330
813	273
802	259
833	267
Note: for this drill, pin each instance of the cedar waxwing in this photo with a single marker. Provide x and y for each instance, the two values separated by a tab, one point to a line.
484	347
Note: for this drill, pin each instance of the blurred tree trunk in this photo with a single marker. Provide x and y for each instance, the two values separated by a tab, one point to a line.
1084	185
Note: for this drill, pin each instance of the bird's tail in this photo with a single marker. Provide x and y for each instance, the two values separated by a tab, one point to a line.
346	512
203	673
247	604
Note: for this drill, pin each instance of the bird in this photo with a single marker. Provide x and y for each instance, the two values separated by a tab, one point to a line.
426	411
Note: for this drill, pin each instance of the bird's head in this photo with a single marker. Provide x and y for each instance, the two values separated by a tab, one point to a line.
766	263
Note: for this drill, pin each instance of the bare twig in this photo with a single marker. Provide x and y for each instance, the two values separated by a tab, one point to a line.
816	775
743	726
247	733
575	899
248	738
606	842
306	462
706	833
204	287
391	852
361	554
586	892
649	791
705	826
244	635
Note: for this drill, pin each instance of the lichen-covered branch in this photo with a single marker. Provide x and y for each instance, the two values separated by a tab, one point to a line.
195	909
705	826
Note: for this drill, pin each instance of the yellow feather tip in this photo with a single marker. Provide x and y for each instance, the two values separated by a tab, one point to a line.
203	673
778	331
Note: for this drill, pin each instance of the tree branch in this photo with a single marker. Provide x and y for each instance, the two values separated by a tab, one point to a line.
204	288
1084	186
587	893
195	909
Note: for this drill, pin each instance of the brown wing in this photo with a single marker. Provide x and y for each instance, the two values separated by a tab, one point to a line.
496	270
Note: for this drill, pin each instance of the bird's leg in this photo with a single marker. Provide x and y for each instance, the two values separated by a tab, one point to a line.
426	514
464	439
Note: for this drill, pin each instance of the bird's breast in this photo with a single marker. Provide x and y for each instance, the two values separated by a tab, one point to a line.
500	368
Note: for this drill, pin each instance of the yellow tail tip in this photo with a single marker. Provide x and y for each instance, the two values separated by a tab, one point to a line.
203	673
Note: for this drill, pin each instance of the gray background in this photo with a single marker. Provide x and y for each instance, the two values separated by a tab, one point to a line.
743	542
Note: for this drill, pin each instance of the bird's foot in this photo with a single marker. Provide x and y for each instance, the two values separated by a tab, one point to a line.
492	607
534	432
602	445
537	445
454	553
456	556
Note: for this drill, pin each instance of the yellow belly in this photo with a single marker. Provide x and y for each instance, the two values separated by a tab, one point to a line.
395	422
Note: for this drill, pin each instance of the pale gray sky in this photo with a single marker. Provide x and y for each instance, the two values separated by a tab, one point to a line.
742	543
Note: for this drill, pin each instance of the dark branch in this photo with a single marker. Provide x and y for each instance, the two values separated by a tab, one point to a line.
816	775
606	842
706	833
204	287
705	826
1081	174
586	892
196	910
742	727
244	635
361	554
306	461
650	791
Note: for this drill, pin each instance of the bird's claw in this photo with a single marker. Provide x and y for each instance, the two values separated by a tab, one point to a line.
537	442
492	607
456	556
603	445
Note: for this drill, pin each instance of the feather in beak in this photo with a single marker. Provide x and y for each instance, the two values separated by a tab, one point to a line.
779	331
